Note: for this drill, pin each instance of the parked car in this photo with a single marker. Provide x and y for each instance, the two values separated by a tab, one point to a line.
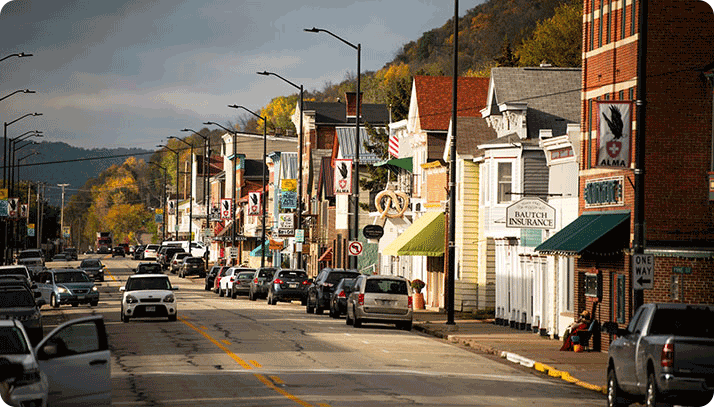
67	286
382	299
19	302
94	268
17	270
138	252
150	252
217	280
261	283
226	281
33	259
288	285
319	293
71	253
192	266
241	282
176	261
338	300
665	354
118	251
148	268
166	254
70	366
148	295
59	257
211	276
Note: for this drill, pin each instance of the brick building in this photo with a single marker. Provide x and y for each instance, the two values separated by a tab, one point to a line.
679	137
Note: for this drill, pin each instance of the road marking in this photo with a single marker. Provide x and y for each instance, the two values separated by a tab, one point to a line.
276	380
220	345
226	341
256	364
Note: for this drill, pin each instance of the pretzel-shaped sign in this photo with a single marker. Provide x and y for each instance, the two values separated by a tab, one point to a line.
386	201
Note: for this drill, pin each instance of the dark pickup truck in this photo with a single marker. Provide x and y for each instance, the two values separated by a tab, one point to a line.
665	355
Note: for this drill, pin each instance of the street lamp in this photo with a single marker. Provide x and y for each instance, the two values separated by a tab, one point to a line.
299	197
163	200
16	233
19	55
264	194
17	91
190	196
354	233
206	172
4	163
177	184
12	149
62	215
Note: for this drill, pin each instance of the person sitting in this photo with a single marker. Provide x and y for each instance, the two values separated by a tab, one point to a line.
582	323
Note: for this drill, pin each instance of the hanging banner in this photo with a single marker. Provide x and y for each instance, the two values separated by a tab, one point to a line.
226	208
24	211
3	194
30	229
65	232
288	193
254	203
13	207
3	209
172	207
343	177
286	224
614	134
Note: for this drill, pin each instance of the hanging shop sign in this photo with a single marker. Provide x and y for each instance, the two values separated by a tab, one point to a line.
614	134
286	224
24	211
530	213
13	207
226	208
373	231
603	192
254	203
343	177
391	204
288	193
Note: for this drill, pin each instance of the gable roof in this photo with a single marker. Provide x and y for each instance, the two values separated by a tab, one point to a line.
472	131
336	112
346	144
434	97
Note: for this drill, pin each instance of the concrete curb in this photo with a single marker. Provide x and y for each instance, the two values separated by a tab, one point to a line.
512	357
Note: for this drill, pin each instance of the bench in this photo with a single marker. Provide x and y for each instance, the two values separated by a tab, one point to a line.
583	337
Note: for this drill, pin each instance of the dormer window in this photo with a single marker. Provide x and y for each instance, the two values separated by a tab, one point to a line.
561	153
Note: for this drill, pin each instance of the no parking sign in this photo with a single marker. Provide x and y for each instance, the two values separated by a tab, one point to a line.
354	248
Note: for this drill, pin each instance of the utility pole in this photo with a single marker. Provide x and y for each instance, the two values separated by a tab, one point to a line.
62	215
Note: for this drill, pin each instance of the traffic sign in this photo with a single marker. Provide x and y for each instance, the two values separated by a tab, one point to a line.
234	252
354	248
643	271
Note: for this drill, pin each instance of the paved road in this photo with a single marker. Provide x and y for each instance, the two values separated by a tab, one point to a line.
237	352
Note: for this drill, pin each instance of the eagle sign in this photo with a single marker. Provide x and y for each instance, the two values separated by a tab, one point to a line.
614	131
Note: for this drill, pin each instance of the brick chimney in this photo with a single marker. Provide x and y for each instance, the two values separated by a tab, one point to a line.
351	99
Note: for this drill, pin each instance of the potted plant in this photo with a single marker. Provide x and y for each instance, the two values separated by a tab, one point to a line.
418	298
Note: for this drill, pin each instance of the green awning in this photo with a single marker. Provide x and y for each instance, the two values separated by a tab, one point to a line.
425	237
257	253
404	163
582	232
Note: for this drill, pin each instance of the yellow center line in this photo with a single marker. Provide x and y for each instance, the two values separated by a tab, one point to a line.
256	364
220	345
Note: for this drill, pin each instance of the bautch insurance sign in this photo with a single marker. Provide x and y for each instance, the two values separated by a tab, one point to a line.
530	213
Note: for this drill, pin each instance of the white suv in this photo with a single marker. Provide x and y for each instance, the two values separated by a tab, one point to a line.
148	295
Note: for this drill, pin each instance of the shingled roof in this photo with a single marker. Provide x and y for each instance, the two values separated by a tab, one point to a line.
336	113
434	96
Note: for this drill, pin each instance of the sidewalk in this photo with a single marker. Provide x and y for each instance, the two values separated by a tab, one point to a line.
585	369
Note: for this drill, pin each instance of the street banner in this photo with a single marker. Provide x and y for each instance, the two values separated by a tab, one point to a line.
65	232
286	224
288	193
226	208
24	211
3	209
172	209
158	218
13	207
254	203
614	134
31	229
3	194
343	177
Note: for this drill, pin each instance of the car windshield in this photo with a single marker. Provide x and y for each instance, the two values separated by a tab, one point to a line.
71	277
150	268
90	263
16	298
13	271
335	277
386	286
152	283
12	342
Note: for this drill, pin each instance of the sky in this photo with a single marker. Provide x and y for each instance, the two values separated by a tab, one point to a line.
130	73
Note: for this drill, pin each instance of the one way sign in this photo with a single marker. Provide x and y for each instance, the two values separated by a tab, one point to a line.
643	271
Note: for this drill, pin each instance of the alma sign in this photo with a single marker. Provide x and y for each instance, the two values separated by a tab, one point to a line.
530	213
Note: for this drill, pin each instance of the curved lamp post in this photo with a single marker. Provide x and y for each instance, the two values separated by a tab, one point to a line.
265	195
206	171
354	231
190	196
12	149
163	199
19	55
299	197
177	184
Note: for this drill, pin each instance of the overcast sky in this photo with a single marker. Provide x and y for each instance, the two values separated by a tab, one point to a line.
129	73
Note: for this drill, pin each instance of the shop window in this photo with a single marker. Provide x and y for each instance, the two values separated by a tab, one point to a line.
620	306
504	182
593	285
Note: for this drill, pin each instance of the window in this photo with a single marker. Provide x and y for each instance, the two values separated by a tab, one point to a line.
599	40
623	17
592	283
609	13
561	153
620	306
505	179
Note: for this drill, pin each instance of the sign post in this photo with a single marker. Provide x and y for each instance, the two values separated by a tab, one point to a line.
354	248
642	271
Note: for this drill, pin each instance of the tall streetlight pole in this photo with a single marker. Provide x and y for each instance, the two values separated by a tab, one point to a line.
264	192
299	197
19	160
62	215
206	170
177	184
4	163
354	232
12	149
190	196
163	200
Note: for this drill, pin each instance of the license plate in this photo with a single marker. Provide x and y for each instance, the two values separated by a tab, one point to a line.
151	309
293	285
80	297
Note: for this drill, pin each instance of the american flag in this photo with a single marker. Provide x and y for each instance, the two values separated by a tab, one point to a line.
394	145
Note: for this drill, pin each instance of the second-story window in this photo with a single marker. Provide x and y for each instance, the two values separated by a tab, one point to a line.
505	179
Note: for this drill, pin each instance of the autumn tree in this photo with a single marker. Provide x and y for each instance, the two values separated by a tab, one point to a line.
278	114
556	40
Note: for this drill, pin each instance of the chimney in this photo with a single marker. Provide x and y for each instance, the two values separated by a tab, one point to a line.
351	99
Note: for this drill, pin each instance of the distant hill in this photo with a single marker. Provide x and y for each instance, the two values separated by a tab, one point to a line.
60	163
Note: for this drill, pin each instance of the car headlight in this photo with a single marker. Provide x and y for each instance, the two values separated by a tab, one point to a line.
130	299
94	288
62	290
169	298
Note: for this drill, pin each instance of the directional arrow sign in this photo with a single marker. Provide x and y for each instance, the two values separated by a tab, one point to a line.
643	271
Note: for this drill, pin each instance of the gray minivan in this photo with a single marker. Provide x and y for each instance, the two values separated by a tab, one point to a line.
382	299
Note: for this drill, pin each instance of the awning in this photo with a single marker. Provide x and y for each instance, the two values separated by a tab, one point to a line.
425	237
404	163
225	228
582	232
327	256
257	253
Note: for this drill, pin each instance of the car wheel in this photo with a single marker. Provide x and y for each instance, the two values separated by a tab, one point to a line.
614	394
220	292
407	326
172	318
126	318
308	307
94	303
251	296
53	301
233	294
319	310
75	304
101	279
357	323
348	320
652	395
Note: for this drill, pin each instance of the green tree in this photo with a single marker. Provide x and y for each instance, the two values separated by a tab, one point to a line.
379	145
556	40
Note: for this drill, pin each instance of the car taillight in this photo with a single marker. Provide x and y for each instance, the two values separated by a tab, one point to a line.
255	280
667	357
233	279
410	304
278	281
341	294
360	299
305	282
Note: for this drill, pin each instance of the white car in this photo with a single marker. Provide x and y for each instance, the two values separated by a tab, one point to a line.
148	295
150	251
226	282
69	367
